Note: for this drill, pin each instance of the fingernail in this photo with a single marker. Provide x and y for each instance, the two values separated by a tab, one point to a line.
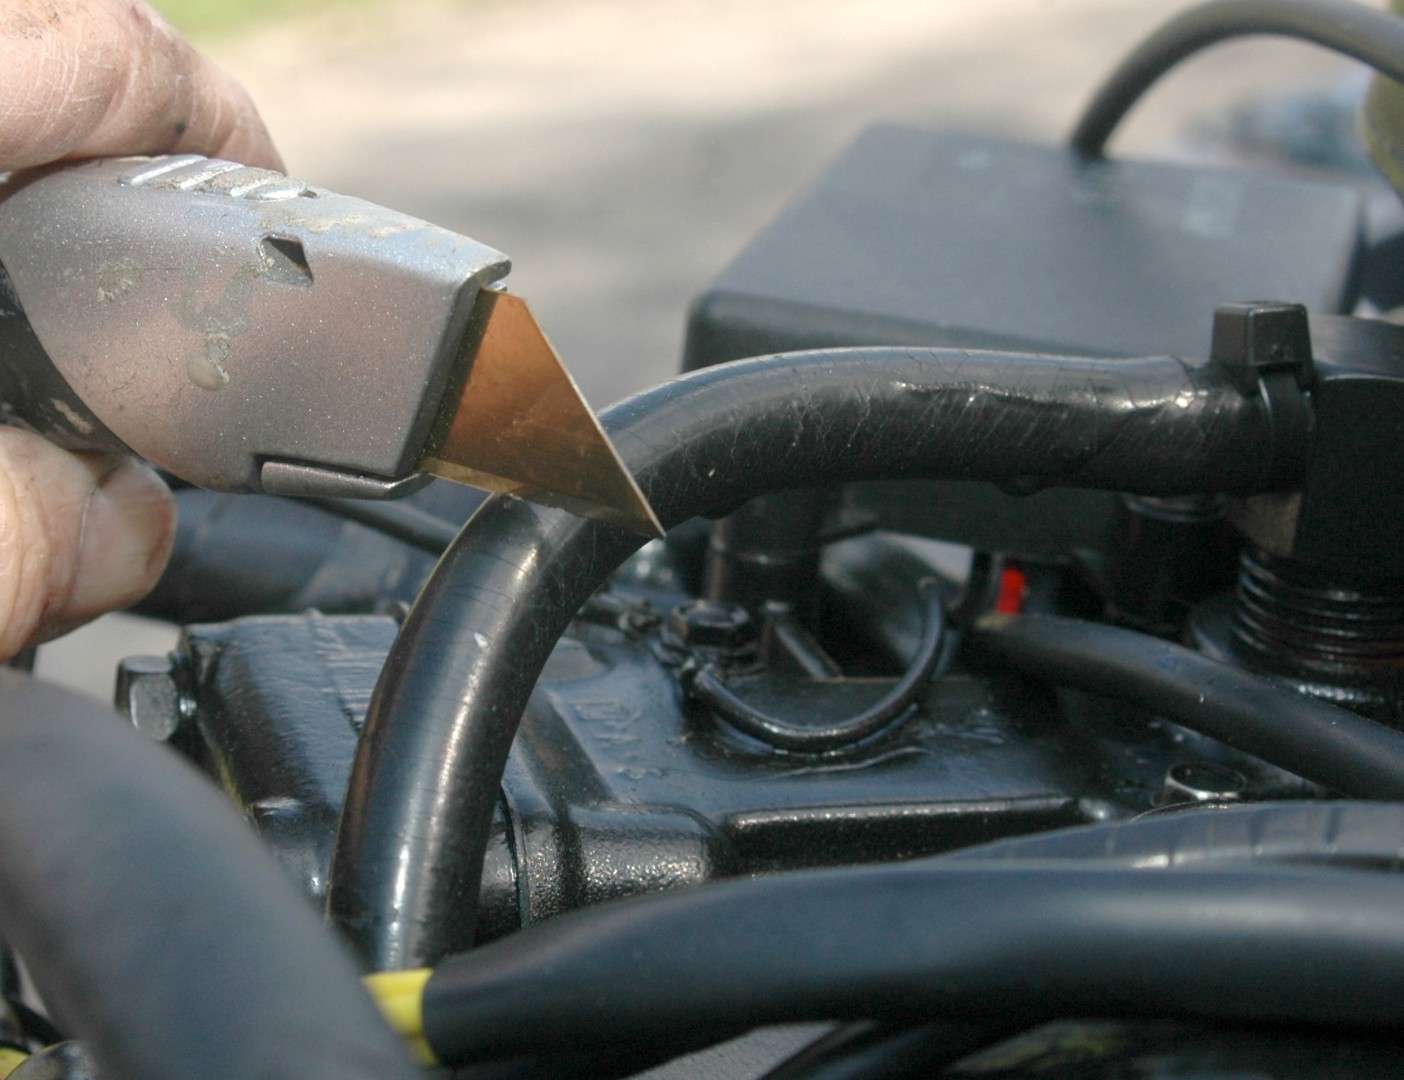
128	526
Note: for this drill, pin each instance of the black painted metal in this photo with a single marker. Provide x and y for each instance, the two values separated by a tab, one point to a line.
616	786
278	703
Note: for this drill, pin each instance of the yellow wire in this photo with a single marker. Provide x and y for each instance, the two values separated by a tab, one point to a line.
11	1059
400	996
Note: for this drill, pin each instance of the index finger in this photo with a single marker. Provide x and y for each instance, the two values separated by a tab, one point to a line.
92	78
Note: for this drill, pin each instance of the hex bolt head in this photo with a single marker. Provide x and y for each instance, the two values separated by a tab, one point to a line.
711	624
149	695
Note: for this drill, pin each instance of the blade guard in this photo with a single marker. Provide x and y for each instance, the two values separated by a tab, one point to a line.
521	426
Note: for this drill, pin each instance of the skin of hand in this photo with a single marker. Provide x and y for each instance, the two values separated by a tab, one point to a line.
81	534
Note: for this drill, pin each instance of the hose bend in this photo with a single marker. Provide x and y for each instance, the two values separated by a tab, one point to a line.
710	687
157	927
1353	29
409	853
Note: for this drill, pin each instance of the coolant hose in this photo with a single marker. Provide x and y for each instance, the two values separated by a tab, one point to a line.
409	852
154	923
932	940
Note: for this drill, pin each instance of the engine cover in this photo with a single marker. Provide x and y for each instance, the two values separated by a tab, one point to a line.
619	785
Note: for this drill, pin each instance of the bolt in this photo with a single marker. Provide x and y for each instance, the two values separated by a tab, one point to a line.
711	624
149	695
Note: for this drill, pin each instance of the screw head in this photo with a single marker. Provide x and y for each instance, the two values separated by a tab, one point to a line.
149	695
711	624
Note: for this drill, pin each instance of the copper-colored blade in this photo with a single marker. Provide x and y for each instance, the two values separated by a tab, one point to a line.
521	426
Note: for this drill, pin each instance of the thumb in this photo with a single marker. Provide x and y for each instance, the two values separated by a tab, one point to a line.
80	534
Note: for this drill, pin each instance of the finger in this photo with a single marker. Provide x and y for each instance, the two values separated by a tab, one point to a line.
79	535
91	78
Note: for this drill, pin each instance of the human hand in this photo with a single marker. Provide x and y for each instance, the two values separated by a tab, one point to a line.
81	534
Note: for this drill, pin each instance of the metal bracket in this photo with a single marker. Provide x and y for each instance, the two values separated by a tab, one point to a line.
297	480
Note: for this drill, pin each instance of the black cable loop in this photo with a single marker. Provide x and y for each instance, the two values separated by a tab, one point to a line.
1375	38
710	687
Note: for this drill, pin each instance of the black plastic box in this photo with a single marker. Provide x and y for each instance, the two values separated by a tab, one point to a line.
915	237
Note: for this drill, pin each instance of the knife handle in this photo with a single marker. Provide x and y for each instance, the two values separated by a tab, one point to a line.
237	328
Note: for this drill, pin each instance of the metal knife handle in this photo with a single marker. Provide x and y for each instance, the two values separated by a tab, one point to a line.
32	392
238	328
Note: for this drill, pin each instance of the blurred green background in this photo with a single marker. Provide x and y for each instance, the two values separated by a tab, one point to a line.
213	18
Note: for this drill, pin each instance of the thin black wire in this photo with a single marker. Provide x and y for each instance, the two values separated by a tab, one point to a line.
1373	37
398	520
711	689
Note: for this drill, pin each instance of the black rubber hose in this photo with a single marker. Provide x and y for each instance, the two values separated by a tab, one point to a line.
1338	834
1272	721
154	924
409	852
1020	944
1371	36
237	555
710	687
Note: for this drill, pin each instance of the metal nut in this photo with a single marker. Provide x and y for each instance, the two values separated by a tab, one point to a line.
149	695
711	624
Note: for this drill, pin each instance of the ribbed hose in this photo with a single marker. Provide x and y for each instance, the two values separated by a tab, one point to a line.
406	870
1295	615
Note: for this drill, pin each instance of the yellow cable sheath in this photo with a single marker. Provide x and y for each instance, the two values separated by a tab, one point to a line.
11	1059
400	997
